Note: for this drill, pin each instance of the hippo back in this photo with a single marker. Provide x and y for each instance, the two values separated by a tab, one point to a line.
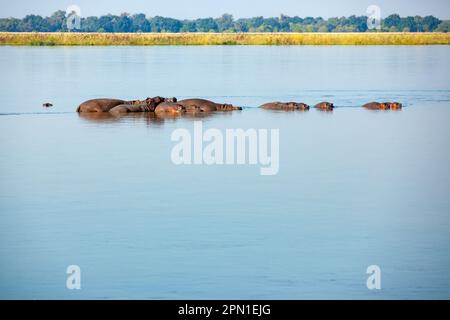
99	105
285	106
198	103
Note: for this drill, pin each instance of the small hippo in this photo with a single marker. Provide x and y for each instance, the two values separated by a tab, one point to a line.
377	106
324	106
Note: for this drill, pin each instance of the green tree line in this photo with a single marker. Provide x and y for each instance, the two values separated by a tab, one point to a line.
125	22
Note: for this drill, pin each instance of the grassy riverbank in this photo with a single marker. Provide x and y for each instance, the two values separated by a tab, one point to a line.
94	39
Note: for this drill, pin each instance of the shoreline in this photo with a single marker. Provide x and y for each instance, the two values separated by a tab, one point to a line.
197	39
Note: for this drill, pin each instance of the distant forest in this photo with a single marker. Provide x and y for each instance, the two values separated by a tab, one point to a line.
226	23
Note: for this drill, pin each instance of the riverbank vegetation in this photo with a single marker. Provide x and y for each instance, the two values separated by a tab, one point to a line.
95	39
125	23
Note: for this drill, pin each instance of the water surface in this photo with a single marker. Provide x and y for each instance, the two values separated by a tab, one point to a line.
355	187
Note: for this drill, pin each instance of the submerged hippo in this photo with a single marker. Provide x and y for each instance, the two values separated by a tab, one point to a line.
324	106
376	106
285	106
202	105
99	105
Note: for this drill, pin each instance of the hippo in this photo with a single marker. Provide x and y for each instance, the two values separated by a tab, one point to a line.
99	105
170	107
125	108
324	106
202	105
287	106
377	106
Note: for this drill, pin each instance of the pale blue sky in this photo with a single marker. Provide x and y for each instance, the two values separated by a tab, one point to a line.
239	8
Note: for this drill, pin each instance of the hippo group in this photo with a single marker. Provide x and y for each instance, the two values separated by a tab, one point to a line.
155	104
171	106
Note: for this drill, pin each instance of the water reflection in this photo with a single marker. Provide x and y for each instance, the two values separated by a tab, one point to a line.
149	118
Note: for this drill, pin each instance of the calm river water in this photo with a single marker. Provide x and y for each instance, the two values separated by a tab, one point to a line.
355	187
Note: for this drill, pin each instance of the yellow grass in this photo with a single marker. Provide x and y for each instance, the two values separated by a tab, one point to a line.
147	39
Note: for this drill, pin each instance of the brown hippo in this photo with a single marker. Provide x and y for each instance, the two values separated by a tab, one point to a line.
125	108
324	106
99	105
170	107
202	105
287	106
377	106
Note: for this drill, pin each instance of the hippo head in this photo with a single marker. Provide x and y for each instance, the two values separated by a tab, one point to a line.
173	99
396	105
385	106
302	106
152	103
235	108
155	100
328	106
325	106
